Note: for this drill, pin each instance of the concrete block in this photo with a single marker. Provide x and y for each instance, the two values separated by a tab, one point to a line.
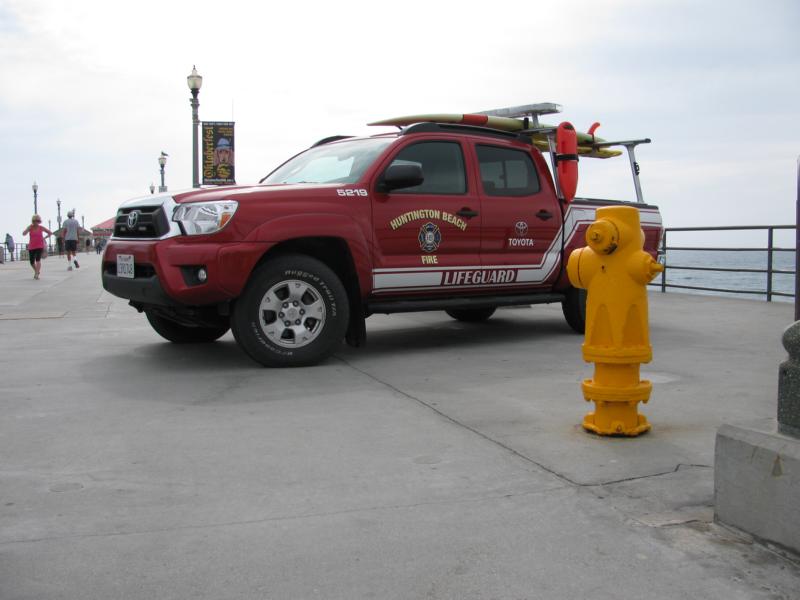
757	483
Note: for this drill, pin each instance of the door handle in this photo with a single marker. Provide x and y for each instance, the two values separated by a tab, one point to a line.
544	215
467	213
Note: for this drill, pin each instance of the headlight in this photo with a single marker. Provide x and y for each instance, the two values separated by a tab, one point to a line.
204	217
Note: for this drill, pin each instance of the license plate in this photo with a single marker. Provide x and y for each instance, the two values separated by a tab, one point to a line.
125	265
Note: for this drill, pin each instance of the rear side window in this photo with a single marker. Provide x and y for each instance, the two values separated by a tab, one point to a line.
507	172
442	166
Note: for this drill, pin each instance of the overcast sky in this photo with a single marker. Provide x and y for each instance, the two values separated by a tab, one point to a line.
92	91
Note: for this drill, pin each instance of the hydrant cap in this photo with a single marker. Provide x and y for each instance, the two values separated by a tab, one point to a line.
626	220
602	236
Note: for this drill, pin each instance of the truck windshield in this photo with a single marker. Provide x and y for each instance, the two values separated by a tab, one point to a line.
339	162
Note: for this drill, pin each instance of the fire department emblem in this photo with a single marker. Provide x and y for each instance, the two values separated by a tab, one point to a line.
429	237
521	228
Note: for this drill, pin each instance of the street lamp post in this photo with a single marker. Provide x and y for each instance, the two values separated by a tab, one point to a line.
58	218
162	161
35	189
195	81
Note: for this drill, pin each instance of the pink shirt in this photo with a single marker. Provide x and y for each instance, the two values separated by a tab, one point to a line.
37	238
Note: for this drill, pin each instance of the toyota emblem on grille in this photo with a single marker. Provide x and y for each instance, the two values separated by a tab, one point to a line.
522	228
133	218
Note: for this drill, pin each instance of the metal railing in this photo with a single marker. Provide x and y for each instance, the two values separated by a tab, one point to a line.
21	251
53	248
769	272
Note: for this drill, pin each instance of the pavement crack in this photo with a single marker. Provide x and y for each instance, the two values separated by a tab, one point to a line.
312	515
648	476
508	448
462	425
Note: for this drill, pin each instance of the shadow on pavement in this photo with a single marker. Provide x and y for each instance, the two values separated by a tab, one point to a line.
455	335
225	355
158	355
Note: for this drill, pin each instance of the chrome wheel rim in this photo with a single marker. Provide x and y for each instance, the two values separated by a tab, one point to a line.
292	313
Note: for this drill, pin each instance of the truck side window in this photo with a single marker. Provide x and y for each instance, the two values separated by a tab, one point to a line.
442	165
507	172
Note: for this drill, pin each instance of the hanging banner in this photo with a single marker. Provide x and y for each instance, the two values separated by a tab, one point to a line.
218	162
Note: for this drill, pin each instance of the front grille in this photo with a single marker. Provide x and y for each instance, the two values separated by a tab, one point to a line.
139	270
150	222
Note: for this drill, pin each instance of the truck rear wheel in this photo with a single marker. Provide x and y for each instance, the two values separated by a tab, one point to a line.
574	307
471	315
183	334
293	312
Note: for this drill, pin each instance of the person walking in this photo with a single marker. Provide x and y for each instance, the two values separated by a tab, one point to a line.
10	245
70	235
36	243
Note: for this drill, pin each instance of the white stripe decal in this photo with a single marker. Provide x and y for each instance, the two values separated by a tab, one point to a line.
399	280
423	278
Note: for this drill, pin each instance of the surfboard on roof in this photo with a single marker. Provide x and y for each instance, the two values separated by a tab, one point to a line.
506	119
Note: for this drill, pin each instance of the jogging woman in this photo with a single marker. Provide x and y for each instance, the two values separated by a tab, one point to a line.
36	244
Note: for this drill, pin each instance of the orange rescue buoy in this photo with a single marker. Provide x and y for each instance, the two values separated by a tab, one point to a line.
567	159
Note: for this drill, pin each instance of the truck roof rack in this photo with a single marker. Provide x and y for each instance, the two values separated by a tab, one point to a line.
630	145
521	123
530	112
426	127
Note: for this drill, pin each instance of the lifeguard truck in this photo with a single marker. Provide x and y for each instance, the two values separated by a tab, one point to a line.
457	213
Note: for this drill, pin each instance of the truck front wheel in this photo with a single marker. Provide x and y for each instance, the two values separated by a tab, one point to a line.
183	334
293	312
574	307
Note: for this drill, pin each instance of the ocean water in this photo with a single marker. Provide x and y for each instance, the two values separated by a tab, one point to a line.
746	281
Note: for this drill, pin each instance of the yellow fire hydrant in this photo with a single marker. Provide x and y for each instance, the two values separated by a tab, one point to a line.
615	270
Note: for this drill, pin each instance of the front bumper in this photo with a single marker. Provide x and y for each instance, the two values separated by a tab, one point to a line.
161	267
144	290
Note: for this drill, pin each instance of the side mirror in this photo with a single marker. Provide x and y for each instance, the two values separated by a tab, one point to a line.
401	175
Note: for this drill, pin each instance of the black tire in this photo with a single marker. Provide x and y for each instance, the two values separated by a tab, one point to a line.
184	334
310	317
574	307
471	315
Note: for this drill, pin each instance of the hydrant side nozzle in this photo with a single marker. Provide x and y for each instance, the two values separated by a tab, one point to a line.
642	268
574	270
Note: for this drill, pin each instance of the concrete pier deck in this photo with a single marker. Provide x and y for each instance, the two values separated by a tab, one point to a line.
444	460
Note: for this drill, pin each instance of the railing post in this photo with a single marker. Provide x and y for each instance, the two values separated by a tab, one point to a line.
797	249
770	236
664	272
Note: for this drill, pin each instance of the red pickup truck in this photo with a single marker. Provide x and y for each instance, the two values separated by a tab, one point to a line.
436	216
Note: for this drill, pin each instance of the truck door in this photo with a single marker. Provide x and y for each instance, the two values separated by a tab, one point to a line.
521	217
422	233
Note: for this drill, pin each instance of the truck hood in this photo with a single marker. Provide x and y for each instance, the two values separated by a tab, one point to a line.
246	193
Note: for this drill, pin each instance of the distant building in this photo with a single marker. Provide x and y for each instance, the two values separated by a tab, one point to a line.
103	230
57	240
